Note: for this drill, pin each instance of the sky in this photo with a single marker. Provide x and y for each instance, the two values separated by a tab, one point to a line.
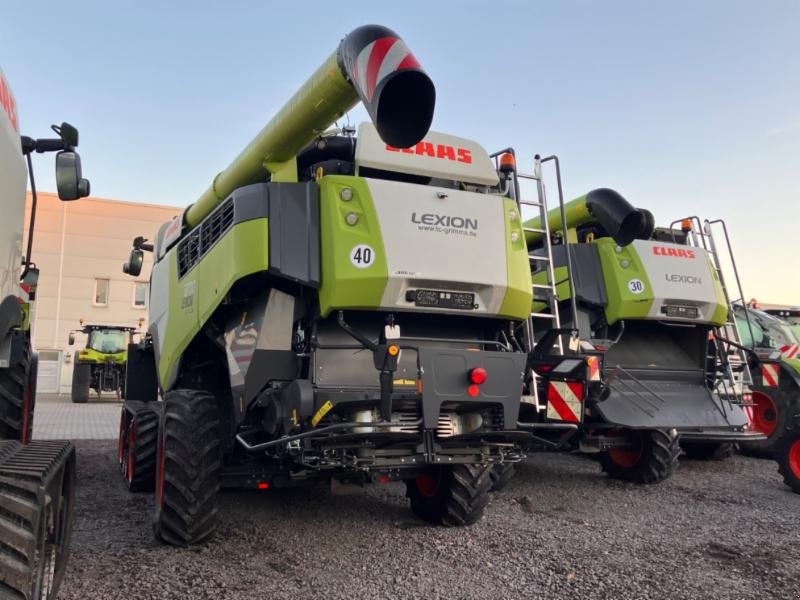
684	107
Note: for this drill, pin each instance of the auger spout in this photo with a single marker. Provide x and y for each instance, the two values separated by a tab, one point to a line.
371	64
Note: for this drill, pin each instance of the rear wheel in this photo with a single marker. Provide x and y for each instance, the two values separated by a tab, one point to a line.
138	441
451	496
651	457
81	380
17	397
707	450
188	466
788	456
502	474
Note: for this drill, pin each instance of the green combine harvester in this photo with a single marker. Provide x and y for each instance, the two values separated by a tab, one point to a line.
334	308
647	311
100	365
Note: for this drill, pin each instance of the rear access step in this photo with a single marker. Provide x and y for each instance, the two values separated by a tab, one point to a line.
37	497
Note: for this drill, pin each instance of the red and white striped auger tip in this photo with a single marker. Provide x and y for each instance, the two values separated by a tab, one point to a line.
397	93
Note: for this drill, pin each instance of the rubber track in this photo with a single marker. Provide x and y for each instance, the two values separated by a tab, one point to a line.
145	419
193	462
12	388
25	471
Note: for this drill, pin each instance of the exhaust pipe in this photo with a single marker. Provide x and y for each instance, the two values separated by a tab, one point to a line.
371	64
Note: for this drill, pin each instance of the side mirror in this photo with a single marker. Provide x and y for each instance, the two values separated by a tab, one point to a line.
69	180
134	265
68	133
71	339
31	279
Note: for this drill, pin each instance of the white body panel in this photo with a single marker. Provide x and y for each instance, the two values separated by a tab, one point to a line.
679	275
438	155
451	243
13	180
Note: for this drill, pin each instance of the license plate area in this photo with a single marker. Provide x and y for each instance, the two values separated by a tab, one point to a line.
442	299
684	312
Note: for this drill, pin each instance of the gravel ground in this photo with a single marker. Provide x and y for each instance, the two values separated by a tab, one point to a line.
559	530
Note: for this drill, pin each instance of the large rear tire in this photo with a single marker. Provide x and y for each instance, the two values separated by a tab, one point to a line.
451	496
81	380
138	444
707	450
188	467
788	456
17	397
651	458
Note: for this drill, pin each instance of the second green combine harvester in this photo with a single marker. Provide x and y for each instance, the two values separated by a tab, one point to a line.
335	309
647	310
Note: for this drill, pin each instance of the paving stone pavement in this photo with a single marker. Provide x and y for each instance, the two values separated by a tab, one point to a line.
56	417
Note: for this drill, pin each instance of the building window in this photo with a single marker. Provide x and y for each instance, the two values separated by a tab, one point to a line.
140	294
101	292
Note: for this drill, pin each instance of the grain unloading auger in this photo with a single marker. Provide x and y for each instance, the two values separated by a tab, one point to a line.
334	308
646	309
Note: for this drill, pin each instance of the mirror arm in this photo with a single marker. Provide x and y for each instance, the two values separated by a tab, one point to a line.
33	218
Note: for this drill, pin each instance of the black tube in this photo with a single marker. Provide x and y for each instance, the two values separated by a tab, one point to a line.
398	95
617	216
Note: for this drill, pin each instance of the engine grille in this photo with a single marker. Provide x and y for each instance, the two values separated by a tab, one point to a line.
202	238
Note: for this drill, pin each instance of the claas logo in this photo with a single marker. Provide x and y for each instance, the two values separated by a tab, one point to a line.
443	151
679	252
8	104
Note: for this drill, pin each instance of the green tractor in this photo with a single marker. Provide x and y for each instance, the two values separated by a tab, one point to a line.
100	365
335	307
776	378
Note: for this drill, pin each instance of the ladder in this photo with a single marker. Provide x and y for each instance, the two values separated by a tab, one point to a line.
731	363
542	260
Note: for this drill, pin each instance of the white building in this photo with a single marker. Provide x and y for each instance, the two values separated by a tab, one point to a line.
80	248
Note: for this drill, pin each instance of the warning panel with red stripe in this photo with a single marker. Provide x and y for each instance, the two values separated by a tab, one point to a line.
770	375
565	401
790	351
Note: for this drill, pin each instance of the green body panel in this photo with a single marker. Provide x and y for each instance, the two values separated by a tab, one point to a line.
792	363
242	251
92	356
576	212
319	102
622	303
517	301
720	315
343	284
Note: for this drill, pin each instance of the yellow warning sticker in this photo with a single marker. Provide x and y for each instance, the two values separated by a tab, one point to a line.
323	410
405	382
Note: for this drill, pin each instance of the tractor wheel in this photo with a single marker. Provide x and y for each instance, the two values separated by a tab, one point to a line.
17	397
136	449
81	380
788	456
188	467
502	473
707	450
770	413
651	458
451	496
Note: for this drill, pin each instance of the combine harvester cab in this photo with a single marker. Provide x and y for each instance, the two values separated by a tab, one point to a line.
100	365
625	317
776	378
334	307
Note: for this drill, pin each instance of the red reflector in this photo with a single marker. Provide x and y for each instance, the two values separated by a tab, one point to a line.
541	369
262	485
477	375
383	479
473	390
